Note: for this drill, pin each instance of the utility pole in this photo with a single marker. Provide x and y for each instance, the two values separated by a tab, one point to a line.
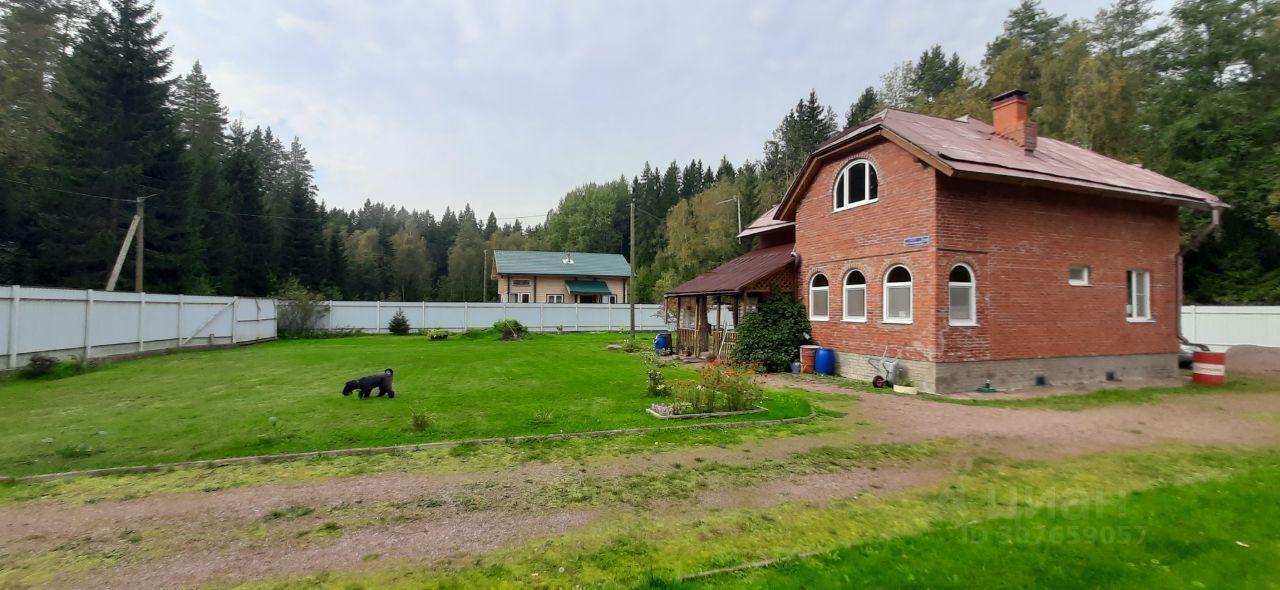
135	227
137	246
738	200
631	281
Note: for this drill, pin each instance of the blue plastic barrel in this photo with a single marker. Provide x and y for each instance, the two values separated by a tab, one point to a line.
661	342
824	362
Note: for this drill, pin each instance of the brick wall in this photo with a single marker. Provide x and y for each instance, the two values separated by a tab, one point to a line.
1020	243
870	238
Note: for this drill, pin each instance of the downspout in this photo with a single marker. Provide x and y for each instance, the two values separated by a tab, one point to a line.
1215	222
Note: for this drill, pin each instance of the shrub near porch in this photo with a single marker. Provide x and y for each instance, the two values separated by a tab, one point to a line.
285	396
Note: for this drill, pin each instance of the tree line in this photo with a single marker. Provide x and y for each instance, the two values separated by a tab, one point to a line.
92	120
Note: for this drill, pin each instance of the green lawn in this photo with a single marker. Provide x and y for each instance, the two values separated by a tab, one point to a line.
284	396
1213	534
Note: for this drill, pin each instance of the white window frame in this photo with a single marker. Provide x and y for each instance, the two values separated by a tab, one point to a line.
866	184
1131	281
972	285
1078	282
911	298
555	298
520	297
844	303
826	293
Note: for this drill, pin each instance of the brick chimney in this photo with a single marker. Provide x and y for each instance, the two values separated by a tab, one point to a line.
1009	119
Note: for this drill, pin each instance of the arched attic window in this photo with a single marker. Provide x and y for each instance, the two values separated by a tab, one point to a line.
857	184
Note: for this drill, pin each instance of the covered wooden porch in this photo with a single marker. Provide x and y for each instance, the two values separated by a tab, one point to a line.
707	308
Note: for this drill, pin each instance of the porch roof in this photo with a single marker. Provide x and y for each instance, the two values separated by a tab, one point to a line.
588	287
737	274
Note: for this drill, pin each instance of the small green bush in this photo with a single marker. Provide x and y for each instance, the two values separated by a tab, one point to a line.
419	421
399	324
770	337
437	334
40	365
510	329
299	311
43	366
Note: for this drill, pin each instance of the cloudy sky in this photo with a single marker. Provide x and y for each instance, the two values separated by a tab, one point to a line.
507	105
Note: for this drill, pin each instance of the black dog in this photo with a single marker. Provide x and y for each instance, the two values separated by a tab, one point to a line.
366	385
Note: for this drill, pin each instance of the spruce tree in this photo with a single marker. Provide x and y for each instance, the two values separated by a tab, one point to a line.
303	251
202	120
117	138
801	130
35	36
253	240
863	108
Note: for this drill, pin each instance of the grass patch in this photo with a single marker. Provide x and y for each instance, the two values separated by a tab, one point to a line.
1216	534
443	460
679	482
1065	401
283	396
634	546
1106	397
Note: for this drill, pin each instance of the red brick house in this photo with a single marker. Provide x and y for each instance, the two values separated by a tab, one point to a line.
982	252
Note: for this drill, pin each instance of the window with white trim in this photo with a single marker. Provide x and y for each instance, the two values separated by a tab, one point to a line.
857	184
519	298
1139	307
962	292
897	295
855	297
1078	276
555	298
818	291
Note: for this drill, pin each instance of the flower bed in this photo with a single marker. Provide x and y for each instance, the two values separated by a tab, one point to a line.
672	412
719	390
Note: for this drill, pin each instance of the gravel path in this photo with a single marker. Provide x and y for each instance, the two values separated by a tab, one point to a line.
232	534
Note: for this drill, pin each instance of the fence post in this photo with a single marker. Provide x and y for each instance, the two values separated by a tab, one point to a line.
466	317
88	321
577	316
142	312
378	326
235	306
542	318
181	302
15	299
424	316
328	320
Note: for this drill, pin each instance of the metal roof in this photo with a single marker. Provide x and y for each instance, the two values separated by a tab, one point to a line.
765	223
967	147
735	275
588	287
584	264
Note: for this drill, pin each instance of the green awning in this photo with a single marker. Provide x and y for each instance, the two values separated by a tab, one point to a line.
588	287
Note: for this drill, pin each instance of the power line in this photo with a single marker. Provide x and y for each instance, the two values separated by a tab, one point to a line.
58	190
174	207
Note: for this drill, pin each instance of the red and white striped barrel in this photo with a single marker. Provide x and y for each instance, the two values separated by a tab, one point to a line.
1209	368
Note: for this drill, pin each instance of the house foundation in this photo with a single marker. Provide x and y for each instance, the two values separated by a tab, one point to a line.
967	376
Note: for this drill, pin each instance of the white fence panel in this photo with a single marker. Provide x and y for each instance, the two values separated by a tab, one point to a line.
1223	326
373	316
99	324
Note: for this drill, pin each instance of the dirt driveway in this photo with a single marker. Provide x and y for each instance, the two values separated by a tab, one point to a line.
235	535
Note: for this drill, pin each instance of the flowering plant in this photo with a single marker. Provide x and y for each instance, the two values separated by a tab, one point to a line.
719	387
